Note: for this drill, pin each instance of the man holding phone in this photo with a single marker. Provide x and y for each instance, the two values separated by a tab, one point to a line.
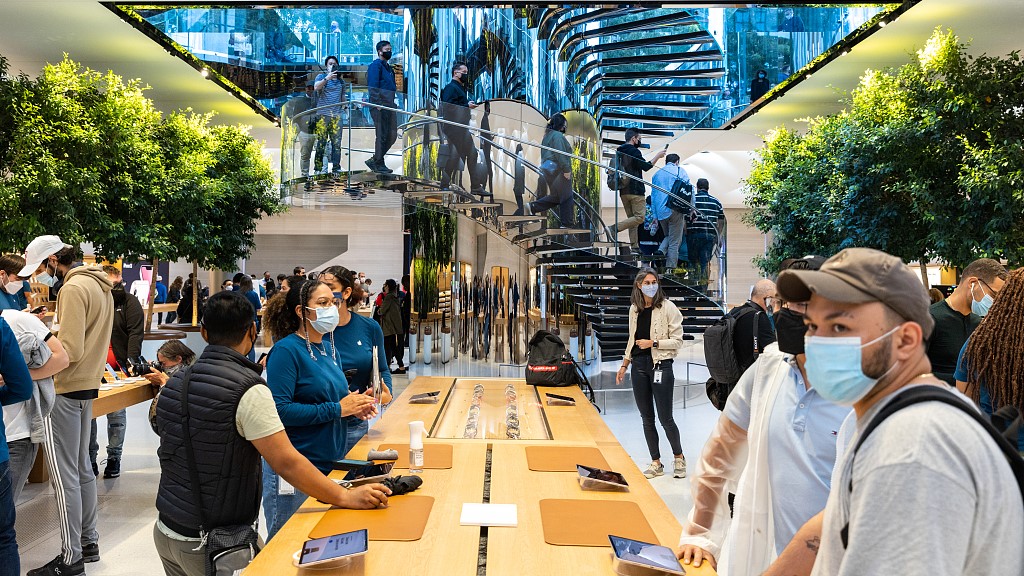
240	425
330	89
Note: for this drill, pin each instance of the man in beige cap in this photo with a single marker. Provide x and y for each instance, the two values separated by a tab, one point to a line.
928	491
85	313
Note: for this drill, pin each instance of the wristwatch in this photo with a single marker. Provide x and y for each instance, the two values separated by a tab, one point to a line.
655	344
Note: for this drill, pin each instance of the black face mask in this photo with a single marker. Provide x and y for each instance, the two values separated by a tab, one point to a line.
386	55
790	331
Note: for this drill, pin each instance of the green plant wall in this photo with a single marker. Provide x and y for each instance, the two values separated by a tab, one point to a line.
433	232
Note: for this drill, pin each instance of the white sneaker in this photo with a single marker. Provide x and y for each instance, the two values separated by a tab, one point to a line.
680	468
655	469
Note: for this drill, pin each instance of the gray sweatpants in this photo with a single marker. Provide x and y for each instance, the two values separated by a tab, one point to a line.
74	484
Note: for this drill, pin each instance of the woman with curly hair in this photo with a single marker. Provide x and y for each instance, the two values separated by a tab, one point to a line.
991	365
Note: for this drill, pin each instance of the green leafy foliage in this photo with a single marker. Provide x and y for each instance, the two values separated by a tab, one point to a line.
925	163
433	234
87	156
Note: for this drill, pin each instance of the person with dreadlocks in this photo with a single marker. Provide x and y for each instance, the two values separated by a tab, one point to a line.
991	365
312	395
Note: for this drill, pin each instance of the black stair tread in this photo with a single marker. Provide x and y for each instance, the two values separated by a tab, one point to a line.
428	193
699	37
672	104
606	63
685	74
474	205
545	232
520	219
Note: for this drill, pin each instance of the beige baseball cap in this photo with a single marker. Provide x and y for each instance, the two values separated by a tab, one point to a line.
39	249
859	276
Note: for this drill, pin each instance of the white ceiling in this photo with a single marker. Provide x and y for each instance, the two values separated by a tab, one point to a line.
34	32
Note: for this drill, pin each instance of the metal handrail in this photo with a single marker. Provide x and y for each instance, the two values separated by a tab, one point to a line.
439	120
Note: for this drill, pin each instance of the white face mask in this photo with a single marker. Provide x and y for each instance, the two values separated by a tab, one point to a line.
12	286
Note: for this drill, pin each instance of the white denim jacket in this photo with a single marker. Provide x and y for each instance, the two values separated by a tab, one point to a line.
666	330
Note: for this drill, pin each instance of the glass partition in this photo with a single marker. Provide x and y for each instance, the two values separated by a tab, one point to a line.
499	178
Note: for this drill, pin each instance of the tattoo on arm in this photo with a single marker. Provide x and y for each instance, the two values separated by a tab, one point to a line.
813	544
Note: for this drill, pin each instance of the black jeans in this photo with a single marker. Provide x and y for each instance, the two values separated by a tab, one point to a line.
558	195
386	127
393	350
649	395
462	141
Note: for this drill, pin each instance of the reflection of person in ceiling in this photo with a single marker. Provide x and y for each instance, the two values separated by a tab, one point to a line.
485	146
790	22
759	86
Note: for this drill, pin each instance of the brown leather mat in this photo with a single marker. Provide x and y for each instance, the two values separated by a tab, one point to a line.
589	522
563	458
404	519
434	455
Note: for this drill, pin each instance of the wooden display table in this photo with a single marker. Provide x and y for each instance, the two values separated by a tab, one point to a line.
447	548
108	401
122	397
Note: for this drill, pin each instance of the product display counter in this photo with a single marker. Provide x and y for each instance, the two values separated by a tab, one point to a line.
446	547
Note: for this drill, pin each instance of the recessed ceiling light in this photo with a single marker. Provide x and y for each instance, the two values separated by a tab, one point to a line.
882	24
204	72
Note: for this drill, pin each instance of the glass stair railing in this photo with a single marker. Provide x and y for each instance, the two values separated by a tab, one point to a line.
588	268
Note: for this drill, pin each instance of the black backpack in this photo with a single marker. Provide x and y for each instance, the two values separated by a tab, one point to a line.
618	182
720	347
548	363
919	394
720	356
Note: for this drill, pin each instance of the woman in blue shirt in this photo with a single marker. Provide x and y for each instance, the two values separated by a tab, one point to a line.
304	373
356	336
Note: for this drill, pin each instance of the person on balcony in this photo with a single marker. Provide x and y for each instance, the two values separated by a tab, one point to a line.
759	86
330	89
305	125
380	79
554	186
455	107
631	162
790	22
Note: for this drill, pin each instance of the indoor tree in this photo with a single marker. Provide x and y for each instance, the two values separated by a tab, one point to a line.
925	163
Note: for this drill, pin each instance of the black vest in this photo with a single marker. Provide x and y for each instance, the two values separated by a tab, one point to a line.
228	464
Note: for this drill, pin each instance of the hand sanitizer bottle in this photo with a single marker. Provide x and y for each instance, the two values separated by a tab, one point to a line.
416	447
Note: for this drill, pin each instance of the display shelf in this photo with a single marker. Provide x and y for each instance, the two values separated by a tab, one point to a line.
493	410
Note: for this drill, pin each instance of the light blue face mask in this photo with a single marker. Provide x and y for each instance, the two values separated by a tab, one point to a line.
326	319
834	367
649	290
46	279
980	307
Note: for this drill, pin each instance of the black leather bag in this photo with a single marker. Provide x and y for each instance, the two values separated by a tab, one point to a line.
681	190
230	549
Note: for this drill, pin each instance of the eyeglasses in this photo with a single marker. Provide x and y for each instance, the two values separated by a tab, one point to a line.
798	307
990	289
